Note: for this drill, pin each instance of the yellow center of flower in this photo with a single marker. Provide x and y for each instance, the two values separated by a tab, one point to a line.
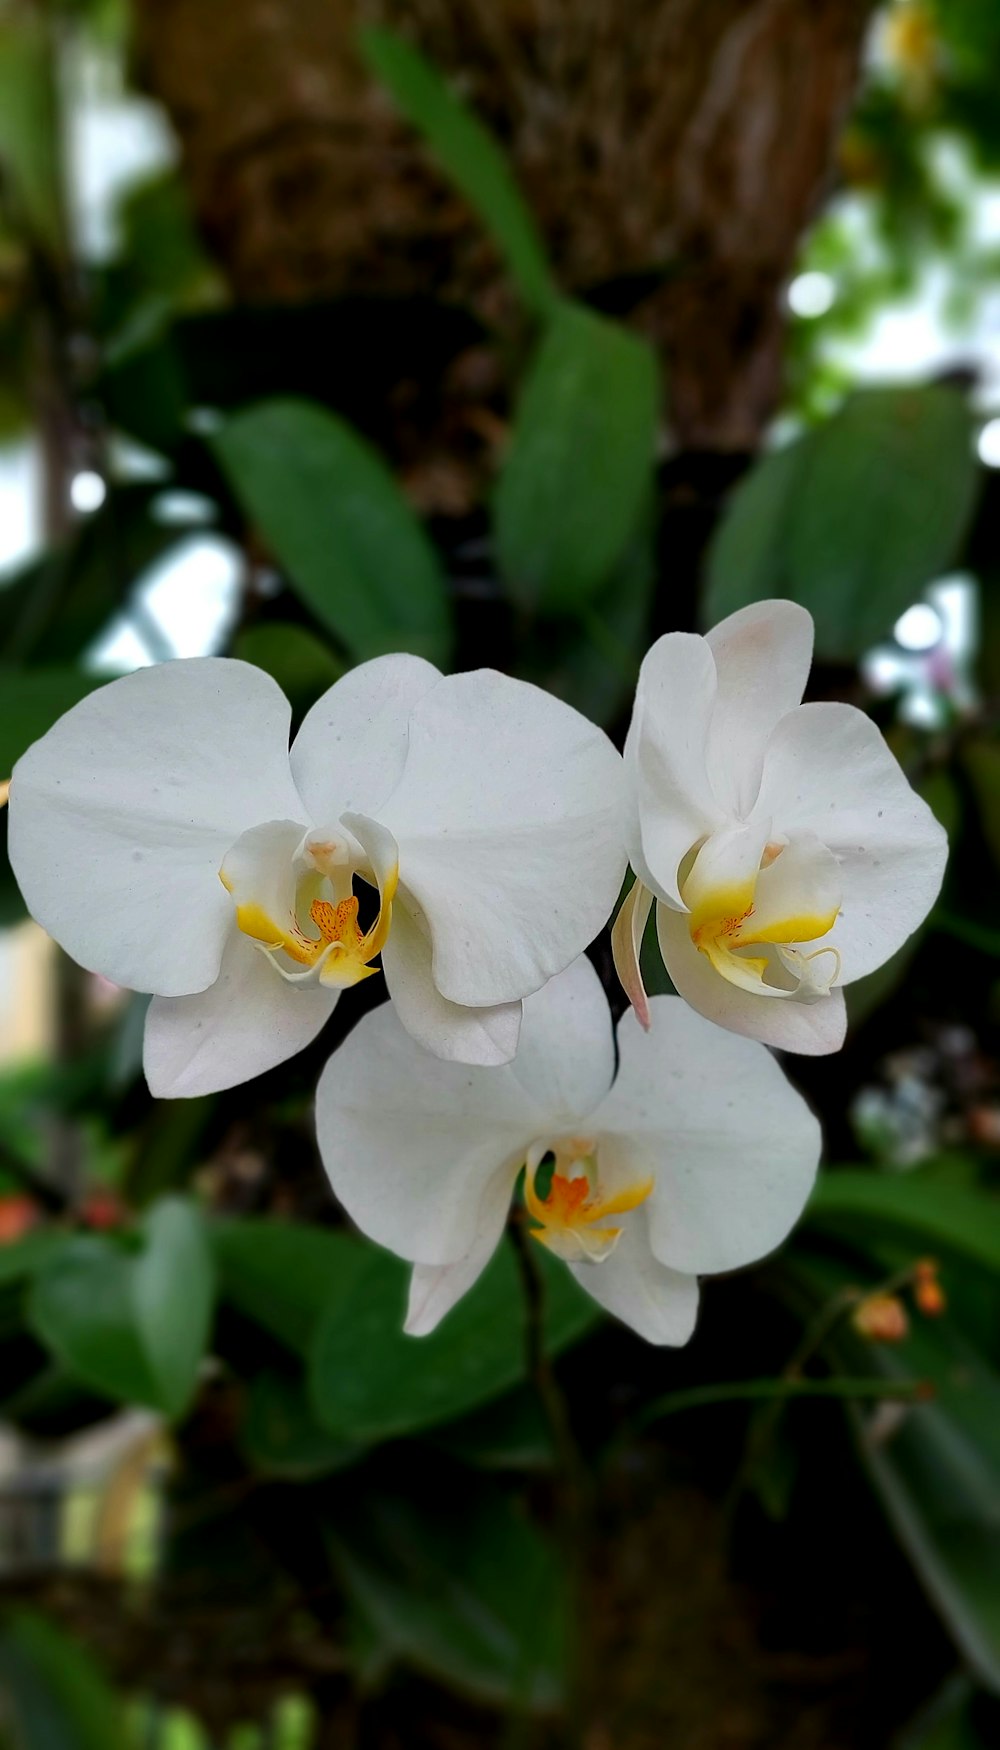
750	928
571	1215
317	929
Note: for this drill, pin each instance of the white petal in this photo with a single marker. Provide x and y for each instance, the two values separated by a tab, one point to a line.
661	1305
510	823
351	748
456	1032
733	1148
828	770
434	1288
626	946
422	1154
762	655
566	1055
665	758
121	814
246	1023
811	1028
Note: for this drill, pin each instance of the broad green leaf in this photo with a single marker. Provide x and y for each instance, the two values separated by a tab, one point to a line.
133	1325
854	519
369	1381
337	523
280	1434
464	1589
283	1274
470	156
29	128
54	1697
23	1259
580	463
300	663
31	699
934	1214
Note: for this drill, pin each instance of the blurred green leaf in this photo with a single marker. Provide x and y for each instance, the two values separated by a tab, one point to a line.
29	127
30	701
300	663
22	1259
931	1213
948	1724
369	1381
336	521
511	1433
469	154
132	1325
282	1274
280	1434
464	1589
580	463
53	1696
854	519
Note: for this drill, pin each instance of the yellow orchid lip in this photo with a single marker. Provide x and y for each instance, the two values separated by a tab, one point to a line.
340	954
725	922
569	1214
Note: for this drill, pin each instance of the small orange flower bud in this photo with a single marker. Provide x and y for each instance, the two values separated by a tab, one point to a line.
928	1295
881	1318
17	1214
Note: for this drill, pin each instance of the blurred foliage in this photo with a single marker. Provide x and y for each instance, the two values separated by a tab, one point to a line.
406	1506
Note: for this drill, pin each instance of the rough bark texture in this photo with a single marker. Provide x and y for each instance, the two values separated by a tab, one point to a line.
692	136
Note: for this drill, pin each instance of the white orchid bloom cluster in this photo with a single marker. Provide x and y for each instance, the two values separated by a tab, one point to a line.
472	833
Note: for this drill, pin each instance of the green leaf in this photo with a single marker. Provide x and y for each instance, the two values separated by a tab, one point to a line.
282	1274
854	519
933	1214
32	699
132	1325
280	1434
464	1589
948	1723
580	463
336	521
300	663
54	1697
469	154
30	134
369	1381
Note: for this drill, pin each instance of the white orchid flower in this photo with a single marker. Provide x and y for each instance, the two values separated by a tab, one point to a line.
696	1158
163	832
783	845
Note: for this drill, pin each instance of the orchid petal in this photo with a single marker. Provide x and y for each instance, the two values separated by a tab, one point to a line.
660	1305
120	816
828	770
510	823
351	748
733	1148
626	947
422	1154
456	1032
246	1023
779	1018
762	657
435	1288
665	759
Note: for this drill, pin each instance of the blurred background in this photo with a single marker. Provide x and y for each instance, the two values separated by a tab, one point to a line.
507	332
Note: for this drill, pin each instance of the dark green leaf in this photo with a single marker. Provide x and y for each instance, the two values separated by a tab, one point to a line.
580	463
463	1589
282	1274
54	1697
931	1213
470	156
336	521
369	1381
854	519
300	663
132	1325
280	1434
29	127
33	698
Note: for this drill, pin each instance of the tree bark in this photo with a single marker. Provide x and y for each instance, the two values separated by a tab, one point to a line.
686	142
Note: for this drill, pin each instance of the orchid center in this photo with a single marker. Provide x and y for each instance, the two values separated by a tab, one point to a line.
760	909
295	901
572	1213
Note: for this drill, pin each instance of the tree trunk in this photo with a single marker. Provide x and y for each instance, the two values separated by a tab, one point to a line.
683	142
